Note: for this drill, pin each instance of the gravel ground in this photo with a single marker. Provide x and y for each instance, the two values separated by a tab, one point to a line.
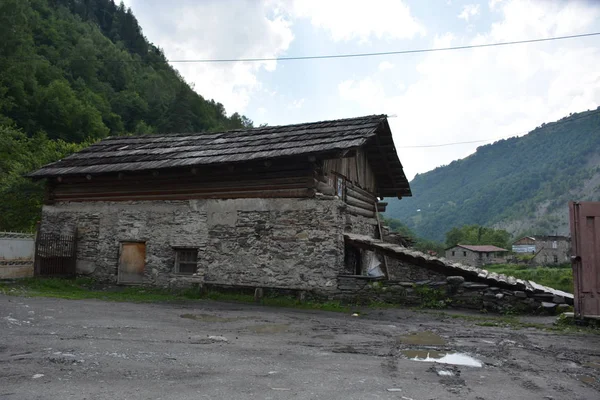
89	349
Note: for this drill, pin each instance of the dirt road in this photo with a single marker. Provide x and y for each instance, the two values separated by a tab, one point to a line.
76	349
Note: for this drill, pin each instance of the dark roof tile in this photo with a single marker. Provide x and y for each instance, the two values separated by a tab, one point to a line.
138	153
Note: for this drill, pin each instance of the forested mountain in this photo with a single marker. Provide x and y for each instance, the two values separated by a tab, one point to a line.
75	71
522	184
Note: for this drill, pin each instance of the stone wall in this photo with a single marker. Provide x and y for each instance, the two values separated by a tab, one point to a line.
405	272
549	255
287	243
360	225
468	257
16	269
446	292
17	251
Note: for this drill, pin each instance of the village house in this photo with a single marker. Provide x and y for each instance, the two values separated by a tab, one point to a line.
544	249
290	209
262	207
476	255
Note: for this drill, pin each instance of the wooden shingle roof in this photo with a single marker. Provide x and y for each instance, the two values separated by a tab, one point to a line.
324	139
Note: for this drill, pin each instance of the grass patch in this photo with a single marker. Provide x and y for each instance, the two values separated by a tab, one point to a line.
86	288
431	298
557	277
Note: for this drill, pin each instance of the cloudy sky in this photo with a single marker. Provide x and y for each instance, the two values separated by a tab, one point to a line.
434	98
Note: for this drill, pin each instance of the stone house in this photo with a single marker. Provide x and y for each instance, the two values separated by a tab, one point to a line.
262	207
476	255
544	249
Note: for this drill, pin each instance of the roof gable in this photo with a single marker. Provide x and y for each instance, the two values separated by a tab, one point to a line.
325	139
544	238
487	248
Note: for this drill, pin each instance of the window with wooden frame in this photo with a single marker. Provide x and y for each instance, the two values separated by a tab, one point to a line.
186	261
340	186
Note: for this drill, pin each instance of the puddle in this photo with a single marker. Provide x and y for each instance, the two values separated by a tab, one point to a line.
270	328
418	354
442	358
208	318
324	336
592	365
587	379
426	338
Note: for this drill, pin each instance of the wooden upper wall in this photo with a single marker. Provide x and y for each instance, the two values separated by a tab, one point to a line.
290	179
355	169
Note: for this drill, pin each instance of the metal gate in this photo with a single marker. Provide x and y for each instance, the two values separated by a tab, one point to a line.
585	239
55	255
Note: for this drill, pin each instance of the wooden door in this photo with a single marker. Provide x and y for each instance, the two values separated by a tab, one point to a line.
132	260
585	241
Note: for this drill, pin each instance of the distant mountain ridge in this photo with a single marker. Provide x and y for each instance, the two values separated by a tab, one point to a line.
522	184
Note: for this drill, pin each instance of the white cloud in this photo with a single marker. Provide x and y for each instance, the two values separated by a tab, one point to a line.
489	92
469	11
296	104
358	19
188	29
493	4
385	65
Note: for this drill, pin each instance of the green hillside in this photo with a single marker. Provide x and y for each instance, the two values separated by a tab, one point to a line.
519	184
73	72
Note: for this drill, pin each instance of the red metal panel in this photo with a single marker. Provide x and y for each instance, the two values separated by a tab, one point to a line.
585	239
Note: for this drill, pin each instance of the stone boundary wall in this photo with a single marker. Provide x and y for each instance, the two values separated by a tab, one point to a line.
451	291
17	250
17	246
15	270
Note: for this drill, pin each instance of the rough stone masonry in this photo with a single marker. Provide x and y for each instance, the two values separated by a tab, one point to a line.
284	243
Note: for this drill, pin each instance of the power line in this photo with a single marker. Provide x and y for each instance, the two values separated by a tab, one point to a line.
499	137
384	53
353	55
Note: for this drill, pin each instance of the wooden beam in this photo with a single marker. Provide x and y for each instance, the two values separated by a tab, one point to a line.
324	188
387	275
359	211
359	196
359	203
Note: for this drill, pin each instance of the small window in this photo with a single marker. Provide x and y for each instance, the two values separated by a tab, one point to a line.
554	245
186	261
464	253
487	255
555	259
453	254
340	186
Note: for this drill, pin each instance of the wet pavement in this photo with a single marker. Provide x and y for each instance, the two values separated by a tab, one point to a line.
89	349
